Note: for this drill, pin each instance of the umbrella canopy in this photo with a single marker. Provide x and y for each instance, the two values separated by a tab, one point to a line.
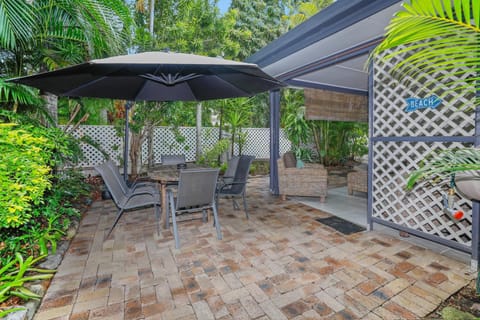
155	76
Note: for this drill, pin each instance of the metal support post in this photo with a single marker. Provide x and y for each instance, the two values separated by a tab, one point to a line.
128	106
274	139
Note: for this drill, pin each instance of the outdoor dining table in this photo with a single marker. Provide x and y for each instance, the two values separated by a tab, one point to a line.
167	175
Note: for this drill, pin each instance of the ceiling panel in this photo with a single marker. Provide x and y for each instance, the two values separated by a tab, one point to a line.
353	74
338	76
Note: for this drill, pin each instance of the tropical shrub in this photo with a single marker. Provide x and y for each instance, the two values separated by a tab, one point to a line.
48	221
35	199
211	156
24	173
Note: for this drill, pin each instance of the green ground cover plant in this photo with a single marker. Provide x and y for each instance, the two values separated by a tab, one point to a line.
15	274
36	200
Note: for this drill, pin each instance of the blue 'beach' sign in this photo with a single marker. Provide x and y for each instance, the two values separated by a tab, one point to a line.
414	104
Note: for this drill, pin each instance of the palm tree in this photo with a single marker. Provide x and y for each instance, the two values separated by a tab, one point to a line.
431	36
41	35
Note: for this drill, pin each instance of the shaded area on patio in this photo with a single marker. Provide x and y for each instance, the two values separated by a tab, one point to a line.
280	264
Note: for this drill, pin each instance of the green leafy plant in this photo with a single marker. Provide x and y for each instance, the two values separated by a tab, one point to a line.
446	163
210	157
16	273
24	173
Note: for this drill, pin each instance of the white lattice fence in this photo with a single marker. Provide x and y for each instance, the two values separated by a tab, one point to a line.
106	137
403	139
258	143
165	141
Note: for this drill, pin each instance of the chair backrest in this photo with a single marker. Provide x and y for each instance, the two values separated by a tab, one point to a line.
172	159
118	195
241	174
116	173
196	188
231	167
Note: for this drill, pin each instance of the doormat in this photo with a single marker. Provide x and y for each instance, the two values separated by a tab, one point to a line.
341	225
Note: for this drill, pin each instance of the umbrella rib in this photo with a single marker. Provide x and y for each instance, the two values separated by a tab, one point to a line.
169	79
67	94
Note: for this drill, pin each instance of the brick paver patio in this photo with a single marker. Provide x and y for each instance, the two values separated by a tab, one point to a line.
280	264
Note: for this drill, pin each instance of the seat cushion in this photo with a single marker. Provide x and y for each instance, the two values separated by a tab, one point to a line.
289	160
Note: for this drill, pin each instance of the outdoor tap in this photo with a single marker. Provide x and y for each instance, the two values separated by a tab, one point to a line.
448	204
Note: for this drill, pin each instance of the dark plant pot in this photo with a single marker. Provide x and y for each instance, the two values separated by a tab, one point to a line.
468	184
106	195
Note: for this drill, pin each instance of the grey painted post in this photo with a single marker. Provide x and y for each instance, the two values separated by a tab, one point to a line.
476	204
128	105
370	150
274	139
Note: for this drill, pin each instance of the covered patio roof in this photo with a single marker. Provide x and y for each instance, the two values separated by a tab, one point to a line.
329	51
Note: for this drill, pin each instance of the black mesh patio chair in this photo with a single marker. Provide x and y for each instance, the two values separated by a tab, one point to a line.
127	201
195	192
137	186
236	188
231	168
172	159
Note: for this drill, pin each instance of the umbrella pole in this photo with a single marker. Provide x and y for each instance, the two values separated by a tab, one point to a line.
128	105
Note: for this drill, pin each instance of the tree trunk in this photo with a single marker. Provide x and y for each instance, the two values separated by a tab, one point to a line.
135	153
199	131
150	154
152	16
51	104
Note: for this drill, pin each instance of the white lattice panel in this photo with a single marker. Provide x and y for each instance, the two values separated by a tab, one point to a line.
391	119
164	142
258	143
420	209
106	137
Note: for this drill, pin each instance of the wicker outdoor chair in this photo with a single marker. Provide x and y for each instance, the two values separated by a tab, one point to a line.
309	181
357	181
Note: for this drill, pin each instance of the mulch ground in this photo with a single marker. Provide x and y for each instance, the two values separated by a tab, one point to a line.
466	300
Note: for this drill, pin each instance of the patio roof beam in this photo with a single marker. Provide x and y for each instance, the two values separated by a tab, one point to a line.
332	60
315	85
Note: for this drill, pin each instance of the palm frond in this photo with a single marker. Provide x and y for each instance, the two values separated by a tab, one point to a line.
441	165
11	93
16	23
434	37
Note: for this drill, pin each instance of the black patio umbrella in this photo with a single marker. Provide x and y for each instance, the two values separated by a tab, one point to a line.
154	76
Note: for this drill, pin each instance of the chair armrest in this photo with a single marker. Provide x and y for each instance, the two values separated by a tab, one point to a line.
154	197
141	192
222	187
